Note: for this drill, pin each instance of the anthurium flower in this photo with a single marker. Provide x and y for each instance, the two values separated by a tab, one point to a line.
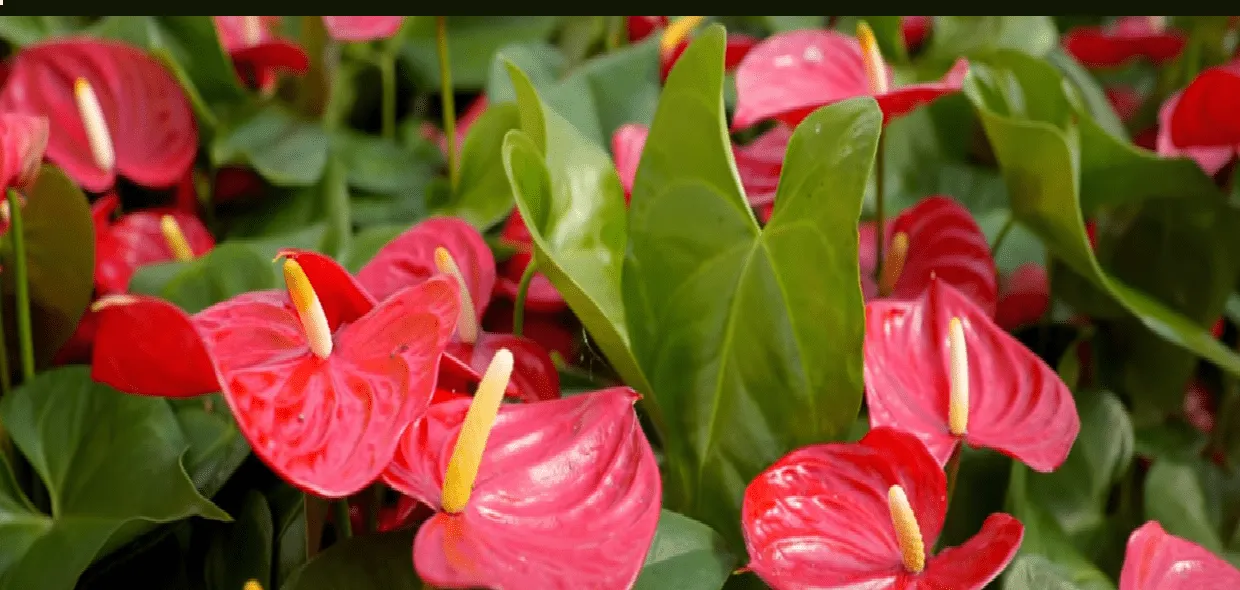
1205	116
789	75
320	384
466	120
1156	560
937	237
1212	159
738	46
915	30
541	296
111	108
865	515
362	28
1125	100
552	494
23	141
141	238
641	27
939	368
451	246
257	52
1127	38
554	331
1024	296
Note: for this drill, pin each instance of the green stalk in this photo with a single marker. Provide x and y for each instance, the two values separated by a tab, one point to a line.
523	289
1003	234
953	471
344	526
880	215
387	71
448	100
6	378
22	276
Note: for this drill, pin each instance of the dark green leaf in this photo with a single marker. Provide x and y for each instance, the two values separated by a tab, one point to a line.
540	61
285	150
1043	536
484	197
334	199
241	550
751	338
956	36
1175	498
381	561
216	447
1095	99
226	271
608	91
382	166
24	30
687	555
472	40
368	242
1034	572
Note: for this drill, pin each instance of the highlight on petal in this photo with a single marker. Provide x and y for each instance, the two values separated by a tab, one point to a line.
136	240
135	95
1017	404
1208	113
568	495
534	376
23	141
362	28
820	517
329	426
1211	159
1024	297
1156	560
147	346
1128	38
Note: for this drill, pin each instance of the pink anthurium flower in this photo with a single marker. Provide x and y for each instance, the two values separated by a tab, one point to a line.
362	28
321	383
937	237
112	109
1156	560
1207	113
1127	38
257	53
463	124
738	46
1024	296
789	75
451	246
552	494
865	515
939	368
1212	159
554	331
23	141
140	238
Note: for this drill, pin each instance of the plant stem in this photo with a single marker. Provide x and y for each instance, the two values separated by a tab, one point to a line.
6	378
387	71
953	471
344	526
880	232
448	101
1003	234
373	507
22	287
523	289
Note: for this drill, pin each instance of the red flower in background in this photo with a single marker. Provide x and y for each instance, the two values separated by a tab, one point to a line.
1156	560
362	28
1212	159
939	368
320	382
1208	111
789	75
738	47
915	30
641	27
542	296
141	238
258	53
865	515
111	108
23	141
940	239
1024	296
553	494
1127	38
1125	100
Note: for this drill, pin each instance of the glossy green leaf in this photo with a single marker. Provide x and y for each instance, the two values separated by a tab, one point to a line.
571	200
1043	537
60	260
751	338
956	36
382	166
472	40
241	551
541	62
24	30
1091	93
1034	572
226	271
1174	496
216	447
687	555
382	561
610	90
284	149
288	515
90	445
1042	163
484	197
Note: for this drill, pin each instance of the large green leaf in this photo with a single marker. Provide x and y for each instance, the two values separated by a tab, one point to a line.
611	90
571	200
541	62
111	464
472	40
751	338
382	561
1174	496
241	550
60	260
484	196
283	148
1039	150
1044	537
216	447
956	36
687	555
226	271
1034	572
383	166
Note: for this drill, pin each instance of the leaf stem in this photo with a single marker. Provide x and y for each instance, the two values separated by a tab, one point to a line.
953	471
387	72
447	99
6	377
523	289
22	287
880	232
1003	234
344	525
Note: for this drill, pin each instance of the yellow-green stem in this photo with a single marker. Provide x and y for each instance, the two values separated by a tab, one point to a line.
387	72
1003	234
523	290
880	214
21	280
448	101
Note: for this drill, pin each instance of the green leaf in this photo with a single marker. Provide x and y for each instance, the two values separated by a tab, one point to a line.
969	36
687	555
334	199
1041	159
226	271
216	447
541	62
284	149
381	165
780	24
241	551
1091	92
608	91
887	31
60	260
1034	572
20	31
111	463
472	40
751	338
1043	537
1175	498
484	197
571	200
368	242
381	561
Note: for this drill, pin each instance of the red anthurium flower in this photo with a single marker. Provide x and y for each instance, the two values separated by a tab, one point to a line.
1199	407
320	383
542	296
452	246
555	331
865	515
940	239
641	27
1128	38
789	75
141	238
1125	100
1024	297
112	109
627	144
257	52
738	46
1206	114
915	30
1156	560
1210	158
23	141
552	494
939	368
362	28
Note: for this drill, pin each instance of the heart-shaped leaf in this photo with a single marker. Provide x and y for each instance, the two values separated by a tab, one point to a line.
88	444
685	554
1174	496
1034	572
228	270
1044	538
371	562
723	314
216	447
284	149
241	550
484	196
